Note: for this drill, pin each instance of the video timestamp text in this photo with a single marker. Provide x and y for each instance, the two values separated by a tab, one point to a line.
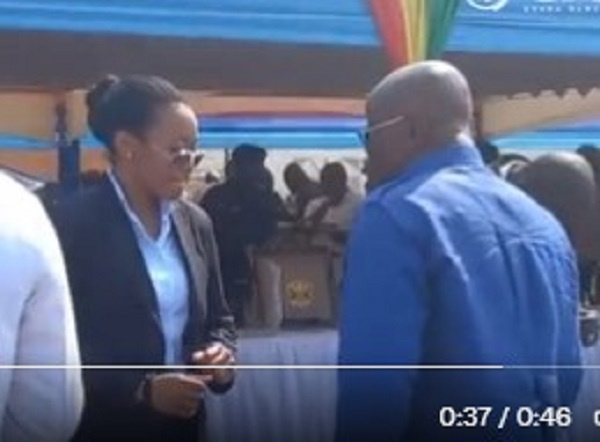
523	417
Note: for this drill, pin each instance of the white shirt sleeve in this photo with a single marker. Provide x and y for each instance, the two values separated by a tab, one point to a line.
343	214
312	206
37	326
348	210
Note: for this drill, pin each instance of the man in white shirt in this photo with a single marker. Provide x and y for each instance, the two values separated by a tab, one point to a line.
338	205
335	210
37	327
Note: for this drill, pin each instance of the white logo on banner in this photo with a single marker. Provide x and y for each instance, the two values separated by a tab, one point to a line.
488	5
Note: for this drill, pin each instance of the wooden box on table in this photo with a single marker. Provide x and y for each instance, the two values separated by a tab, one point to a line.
294	282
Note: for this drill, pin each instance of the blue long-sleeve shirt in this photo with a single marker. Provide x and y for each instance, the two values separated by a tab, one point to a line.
449	265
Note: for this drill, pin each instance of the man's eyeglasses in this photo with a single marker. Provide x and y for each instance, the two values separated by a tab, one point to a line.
364	134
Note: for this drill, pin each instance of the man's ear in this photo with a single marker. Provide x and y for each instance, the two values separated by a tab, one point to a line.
126	145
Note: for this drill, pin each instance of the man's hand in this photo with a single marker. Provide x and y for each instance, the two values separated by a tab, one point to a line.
177	394
216	355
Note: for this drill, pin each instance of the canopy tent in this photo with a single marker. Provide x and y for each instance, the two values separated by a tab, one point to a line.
30	115
281	132
483	25
552	51
33	113
277	132
565	137
413	30
253	48
273	132
262	47
504	115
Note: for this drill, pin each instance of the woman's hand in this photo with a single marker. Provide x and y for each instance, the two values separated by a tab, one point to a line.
177	394
216	355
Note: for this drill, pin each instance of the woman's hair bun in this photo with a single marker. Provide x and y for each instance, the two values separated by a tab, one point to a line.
98	91
127	104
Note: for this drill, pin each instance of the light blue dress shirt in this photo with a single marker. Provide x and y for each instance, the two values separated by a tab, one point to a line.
166	268
449	265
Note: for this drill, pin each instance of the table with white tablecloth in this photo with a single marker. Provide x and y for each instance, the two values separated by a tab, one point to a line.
299	404
279	405
588	400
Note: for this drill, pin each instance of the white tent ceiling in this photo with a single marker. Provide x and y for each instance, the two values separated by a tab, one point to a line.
501	115
32	114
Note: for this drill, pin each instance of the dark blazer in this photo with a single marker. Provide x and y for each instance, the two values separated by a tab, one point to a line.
117	313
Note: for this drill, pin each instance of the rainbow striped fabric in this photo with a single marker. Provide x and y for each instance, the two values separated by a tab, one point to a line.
413	30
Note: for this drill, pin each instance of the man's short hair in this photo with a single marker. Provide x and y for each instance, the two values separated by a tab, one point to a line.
248	154
335	171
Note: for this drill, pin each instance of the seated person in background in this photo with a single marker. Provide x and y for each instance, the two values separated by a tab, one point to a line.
196	189
244	214
281	211
564	184
590	270
301	187
509	164
592	155
338	205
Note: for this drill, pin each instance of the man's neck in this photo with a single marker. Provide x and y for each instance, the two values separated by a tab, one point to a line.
440	141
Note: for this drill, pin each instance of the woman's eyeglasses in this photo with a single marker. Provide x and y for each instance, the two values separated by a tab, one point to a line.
185	158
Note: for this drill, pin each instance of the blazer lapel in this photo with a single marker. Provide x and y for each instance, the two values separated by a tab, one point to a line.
195	259
129	259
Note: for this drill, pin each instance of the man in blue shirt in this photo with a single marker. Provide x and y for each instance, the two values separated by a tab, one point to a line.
448	265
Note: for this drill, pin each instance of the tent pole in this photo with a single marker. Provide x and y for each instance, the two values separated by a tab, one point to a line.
226	159
68	153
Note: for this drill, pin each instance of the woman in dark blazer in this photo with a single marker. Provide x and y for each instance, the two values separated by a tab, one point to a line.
144	273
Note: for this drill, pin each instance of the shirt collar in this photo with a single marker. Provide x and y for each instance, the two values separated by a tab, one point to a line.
166	209
451	155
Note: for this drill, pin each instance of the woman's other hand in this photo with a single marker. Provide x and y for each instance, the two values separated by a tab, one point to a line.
178	394
216	355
